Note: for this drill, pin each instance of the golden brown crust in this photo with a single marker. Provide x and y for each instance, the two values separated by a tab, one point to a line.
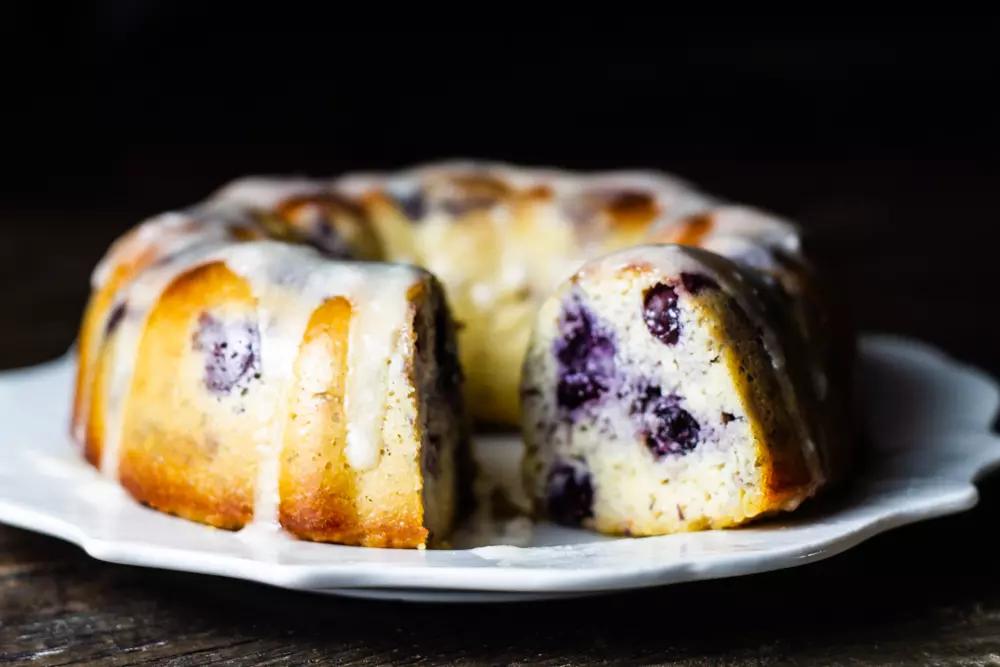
322	498
184	451
780	450
690	231
94	425
93	334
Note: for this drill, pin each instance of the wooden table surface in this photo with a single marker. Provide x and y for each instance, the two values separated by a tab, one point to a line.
912	244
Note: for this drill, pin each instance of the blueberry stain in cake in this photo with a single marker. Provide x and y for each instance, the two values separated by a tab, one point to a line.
660	313
666	426
232	353
696	282
115	318
569	493
585	352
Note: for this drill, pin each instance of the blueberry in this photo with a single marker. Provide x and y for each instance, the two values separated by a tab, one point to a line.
667	427
325	238
569	493
695	282
586	357
115	318
413	204
232	353
575	389
320	230
659	311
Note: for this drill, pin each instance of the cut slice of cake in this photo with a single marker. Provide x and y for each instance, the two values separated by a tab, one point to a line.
666	389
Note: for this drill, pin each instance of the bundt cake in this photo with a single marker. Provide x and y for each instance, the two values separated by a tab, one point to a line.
311	354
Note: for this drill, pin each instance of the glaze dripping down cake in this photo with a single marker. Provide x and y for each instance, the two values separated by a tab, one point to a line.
310	355
233	379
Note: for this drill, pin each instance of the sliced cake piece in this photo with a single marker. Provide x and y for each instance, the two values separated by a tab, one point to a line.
666	389
243	382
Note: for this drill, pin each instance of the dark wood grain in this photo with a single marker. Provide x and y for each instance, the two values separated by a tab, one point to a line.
913	248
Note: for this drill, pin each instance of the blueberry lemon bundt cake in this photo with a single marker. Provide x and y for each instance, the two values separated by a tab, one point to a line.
302	353
671	388
234	379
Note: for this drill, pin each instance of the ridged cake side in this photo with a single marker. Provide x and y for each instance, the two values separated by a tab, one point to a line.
252	383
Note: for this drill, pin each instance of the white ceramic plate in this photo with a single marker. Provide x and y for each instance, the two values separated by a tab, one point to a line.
928	417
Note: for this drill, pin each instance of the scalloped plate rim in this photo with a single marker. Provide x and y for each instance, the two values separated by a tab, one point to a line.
415	581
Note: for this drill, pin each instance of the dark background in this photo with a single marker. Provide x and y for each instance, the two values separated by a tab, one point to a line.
156	101
877	133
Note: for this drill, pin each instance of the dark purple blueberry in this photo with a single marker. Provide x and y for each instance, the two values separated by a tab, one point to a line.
115	318
667	427
585	352
413	204
575	389
232	353
659	311
327	240
569	494
695	282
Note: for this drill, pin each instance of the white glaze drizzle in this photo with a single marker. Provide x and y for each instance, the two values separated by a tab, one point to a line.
168	234
674	197
378	296
267	192
141	295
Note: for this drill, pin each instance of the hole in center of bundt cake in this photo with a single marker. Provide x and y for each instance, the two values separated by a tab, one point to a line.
667	427
570	493
585	352
232	353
